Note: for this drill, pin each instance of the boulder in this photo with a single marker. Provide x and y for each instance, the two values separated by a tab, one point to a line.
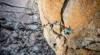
81	16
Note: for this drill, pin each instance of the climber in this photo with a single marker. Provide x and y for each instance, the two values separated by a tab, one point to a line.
67	30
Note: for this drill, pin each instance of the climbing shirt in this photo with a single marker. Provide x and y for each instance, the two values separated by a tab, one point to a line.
67	31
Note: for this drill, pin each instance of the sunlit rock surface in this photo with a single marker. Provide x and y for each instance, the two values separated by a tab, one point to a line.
82	16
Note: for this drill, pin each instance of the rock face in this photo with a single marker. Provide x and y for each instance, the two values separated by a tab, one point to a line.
82	16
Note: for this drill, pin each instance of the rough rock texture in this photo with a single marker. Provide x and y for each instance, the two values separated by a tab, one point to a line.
83	17
20	29
50	13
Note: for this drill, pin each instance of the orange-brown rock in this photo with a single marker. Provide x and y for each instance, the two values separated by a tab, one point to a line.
78	13
50	10
83	17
